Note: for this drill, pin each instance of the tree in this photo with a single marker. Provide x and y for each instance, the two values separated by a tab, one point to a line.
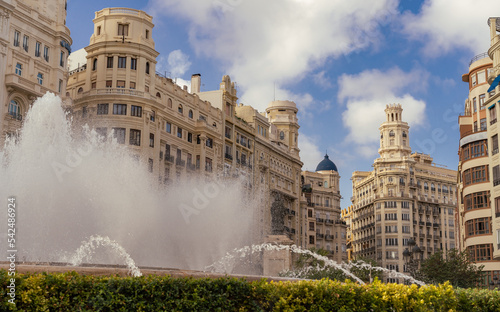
456	267
366	273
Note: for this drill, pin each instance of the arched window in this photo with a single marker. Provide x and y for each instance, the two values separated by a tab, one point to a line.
147	68
433	188
14	109
169	103
94	64
80	90
190	114
391	133
179	109
158	95
426	186
282	135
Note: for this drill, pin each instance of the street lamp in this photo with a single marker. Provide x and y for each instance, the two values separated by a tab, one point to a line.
495	283
412	257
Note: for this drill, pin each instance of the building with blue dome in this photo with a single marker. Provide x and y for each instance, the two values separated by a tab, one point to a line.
326	165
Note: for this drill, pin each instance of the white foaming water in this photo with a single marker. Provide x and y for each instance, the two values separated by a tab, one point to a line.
88	248
226	263
70	185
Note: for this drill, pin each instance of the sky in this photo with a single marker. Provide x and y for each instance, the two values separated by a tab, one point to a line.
340	61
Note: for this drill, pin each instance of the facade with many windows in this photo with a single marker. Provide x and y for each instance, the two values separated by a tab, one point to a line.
181	134
479	165
34	47
405	197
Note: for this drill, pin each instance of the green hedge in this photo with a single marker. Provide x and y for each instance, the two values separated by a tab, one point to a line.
74	292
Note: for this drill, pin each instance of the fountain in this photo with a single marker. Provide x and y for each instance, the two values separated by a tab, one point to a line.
72	185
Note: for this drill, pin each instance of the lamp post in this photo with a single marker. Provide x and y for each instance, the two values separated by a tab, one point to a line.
495	283
412	256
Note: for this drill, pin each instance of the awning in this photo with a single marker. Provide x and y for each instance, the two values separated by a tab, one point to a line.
494	83
491	106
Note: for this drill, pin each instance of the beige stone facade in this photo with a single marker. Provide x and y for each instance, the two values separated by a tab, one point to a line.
34	47
323	225
346	215
479	170
180	133
405	197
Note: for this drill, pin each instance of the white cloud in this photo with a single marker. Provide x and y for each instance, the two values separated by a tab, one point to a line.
265	42
77	58
310	153
321	80
444	25
366	95
178	63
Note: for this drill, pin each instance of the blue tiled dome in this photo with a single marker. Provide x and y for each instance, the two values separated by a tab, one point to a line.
326	164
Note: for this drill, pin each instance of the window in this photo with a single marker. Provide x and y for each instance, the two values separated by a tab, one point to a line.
190	137
474	80
19	69
98	31
391	228
481	252
482	124
109	83
120	83
496	175
122	29
152	117
119	109
109	63
102	132
147	68
190	114
391	241
60	85
494	144
132	85
102	109
37	49
135	137
179	132
481	101
481	77
405	216
94	64
477	200
476	175
169	103
406	229
133	63
84	112
474	104
391	134
26	43
158	95
61	60
168	127
497	209
39	78
14	109
208	164
122	62
151	140
16	38
80	90
209	142
46	53
136	111
119	134
150	165
282	135
474	149
493	114
391	216
391	255
179	109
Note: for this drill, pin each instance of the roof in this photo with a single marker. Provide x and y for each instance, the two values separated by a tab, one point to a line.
326	164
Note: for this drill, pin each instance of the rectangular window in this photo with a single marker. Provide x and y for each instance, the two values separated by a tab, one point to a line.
494	144
122	62
122	29
208	164
474	80
496	175
168	127
61	60
119	134
151	140
483	124
209	142
102	132
133	63
37	49
481	77
132	85
474	104
84	112
179	132
102	109
476	175
481	252
26	43
109	83
94	85
135	137
60	85
497	208
147	33
482	97
150	165
19	69
136	111
46	53
39	78
98	31
109	63
152	116
16	38
477	200
190	137
493	114
119	109
406	229
120	83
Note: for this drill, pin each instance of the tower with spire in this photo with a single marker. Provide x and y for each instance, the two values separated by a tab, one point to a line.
394	135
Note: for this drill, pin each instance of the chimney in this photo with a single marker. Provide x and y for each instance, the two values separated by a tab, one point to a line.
195	83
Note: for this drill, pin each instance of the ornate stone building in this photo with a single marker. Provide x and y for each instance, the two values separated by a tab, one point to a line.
406	196
478	211
34	47
324	227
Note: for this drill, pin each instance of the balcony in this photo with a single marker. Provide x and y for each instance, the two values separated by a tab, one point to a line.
180	162
228	156
320	236
328	237
328	221
319	220
15	116
169	158
191	166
